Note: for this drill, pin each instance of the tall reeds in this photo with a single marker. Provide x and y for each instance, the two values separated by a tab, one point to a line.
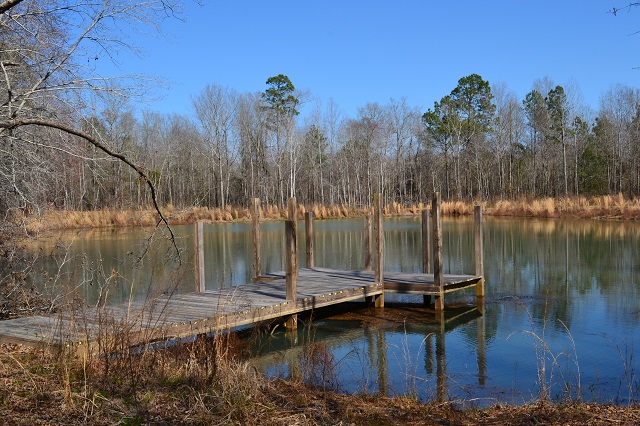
607	206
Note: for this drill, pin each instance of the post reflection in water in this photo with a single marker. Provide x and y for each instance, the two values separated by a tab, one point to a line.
372	357
441	362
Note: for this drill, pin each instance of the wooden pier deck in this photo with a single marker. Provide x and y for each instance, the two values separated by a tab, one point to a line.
275	295
183	315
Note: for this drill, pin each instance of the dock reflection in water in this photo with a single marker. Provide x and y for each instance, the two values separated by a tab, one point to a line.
400	350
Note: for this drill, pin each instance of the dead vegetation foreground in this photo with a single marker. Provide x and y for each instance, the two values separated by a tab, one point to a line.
200	383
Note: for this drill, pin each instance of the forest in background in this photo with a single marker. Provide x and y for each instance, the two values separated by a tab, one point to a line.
64	132
478	142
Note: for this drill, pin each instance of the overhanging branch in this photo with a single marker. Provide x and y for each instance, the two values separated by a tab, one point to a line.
20	122
8	4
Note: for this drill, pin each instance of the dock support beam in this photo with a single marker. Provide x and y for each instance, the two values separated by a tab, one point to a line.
198	256
291	259
479	251
367	241
255	232
379	246
437	252
308	228
291	268
426	251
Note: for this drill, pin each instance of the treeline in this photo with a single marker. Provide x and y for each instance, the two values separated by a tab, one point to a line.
66	132
477	142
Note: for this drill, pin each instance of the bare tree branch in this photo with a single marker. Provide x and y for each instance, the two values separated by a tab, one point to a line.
8	4
13	124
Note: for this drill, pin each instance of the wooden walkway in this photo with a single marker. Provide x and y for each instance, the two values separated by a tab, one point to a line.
183	315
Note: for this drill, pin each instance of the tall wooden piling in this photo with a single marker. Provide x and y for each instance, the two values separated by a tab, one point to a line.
367	242
379	246
479	250
437	252
292	208
255	232
426	250
291	273
308	228
426	241
198	256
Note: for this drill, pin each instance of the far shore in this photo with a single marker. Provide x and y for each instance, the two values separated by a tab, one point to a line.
601	207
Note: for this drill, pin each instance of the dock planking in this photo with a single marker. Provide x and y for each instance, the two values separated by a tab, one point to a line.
188	314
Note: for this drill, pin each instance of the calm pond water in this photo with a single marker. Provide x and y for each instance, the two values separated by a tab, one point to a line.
561	316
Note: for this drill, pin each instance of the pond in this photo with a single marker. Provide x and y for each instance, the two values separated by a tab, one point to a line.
561	316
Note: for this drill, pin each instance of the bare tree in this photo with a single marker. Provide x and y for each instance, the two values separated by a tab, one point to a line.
48	52
216	108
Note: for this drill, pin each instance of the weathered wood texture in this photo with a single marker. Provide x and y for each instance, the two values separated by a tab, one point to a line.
426	241
308	228
182	315
255	233
198	256
292	208
291	267
479	250
367	242
378	234
437	251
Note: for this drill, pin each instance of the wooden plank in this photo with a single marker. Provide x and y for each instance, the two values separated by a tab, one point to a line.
182	315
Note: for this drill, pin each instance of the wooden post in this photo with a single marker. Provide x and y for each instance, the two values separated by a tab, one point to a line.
291	273
255	231
479	251
292	209
367	242
426	251
437	252
198	256
426	241
308	227
379	246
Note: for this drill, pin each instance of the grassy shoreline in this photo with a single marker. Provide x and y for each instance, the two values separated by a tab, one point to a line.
196	384
601	207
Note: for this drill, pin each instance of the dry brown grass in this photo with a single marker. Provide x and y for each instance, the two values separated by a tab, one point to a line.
614	207
195	384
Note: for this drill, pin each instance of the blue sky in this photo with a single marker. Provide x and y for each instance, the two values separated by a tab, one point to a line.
370	51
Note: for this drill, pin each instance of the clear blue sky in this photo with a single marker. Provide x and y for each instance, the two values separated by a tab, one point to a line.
370	51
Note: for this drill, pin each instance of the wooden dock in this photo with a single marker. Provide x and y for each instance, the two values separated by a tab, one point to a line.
183	315
273	296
